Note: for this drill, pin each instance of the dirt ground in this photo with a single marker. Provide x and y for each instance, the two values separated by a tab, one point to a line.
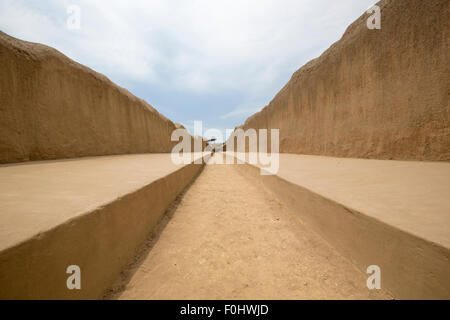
229	238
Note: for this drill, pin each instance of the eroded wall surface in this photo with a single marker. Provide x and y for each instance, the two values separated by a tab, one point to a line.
52	107
379	94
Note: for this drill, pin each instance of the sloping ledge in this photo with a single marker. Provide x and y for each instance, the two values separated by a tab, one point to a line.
394	214
91	212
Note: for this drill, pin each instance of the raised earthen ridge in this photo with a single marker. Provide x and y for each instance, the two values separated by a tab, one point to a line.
53	107
380	94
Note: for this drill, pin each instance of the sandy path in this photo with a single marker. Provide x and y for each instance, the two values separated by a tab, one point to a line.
231	239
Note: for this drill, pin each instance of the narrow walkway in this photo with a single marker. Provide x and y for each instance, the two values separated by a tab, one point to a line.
231	239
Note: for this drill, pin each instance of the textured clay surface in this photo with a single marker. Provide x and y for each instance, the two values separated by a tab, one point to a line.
52	107
379	94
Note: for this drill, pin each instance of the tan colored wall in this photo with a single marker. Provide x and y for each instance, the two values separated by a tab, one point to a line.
379	94
52	107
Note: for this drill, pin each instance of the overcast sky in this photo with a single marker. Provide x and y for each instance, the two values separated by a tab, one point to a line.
210	60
